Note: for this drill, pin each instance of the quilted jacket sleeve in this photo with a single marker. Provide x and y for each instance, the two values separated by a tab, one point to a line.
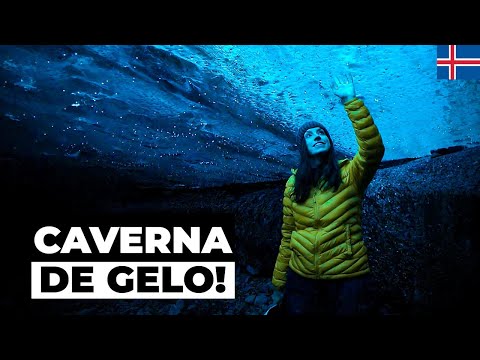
370	145
288	225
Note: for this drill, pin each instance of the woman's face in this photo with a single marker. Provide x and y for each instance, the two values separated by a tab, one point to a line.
316	140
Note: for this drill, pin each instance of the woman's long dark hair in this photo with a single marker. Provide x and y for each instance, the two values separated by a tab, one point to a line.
308	177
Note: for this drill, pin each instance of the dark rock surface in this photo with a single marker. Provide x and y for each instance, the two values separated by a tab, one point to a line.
419	226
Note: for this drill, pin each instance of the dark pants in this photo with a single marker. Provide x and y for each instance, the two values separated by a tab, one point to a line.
342	297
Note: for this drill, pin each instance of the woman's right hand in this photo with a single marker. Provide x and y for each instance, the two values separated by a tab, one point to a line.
277	296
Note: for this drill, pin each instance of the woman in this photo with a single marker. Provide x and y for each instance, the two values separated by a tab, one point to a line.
322	261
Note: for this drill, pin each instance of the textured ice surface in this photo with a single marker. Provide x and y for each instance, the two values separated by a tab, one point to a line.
209	115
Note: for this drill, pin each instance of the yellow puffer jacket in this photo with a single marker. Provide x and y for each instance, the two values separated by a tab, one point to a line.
322	237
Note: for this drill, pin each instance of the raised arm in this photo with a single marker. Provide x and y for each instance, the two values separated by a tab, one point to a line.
370	145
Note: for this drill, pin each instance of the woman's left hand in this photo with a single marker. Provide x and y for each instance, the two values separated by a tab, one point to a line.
343	87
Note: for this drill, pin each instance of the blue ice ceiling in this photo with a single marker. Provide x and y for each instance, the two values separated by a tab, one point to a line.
195	116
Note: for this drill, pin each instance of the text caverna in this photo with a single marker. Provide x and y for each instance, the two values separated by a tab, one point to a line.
133	240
